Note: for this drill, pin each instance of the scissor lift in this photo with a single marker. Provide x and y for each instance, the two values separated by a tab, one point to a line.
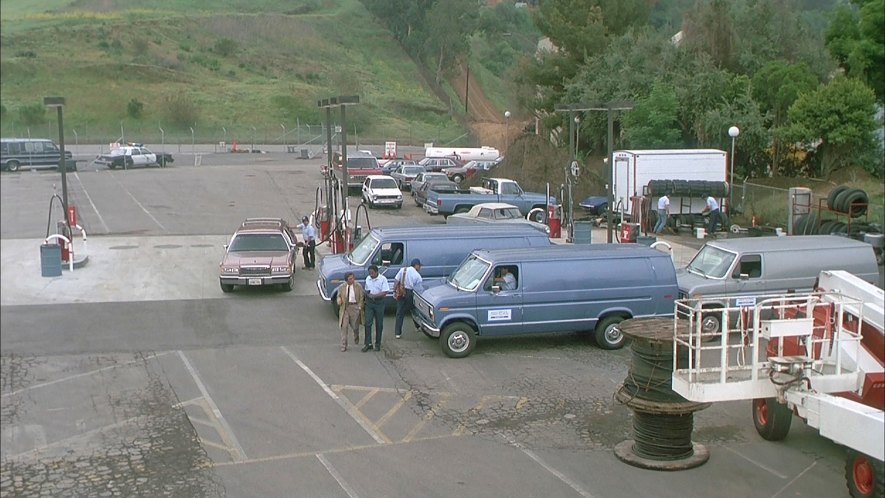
819	355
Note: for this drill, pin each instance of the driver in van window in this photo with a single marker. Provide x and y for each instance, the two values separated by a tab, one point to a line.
505	278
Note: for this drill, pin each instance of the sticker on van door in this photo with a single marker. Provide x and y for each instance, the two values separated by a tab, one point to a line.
499	315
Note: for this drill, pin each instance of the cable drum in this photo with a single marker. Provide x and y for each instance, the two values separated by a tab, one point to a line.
663	437
651	368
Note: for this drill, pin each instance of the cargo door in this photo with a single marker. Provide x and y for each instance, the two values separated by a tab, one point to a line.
499	303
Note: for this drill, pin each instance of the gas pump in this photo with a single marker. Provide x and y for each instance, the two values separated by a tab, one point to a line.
554	220
628	232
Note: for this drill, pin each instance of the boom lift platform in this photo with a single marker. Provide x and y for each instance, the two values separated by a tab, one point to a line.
820	355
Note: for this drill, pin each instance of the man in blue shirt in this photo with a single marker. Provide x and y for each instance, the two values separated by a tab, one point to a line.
309	232
376	289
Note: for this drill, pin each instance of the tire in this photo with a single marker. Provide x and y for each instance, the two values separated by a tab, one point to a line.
864	476
458	179
13	165
287	287
127	163
772	419
399	206
859	197
457	340
607	333
227	288
831	199
112	166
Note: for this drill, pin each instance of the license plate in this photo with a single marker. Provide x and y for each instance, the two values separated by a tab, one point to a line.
254	281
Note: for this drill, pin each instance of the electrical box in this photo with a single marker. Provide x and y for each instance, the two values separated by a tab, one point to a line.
798	327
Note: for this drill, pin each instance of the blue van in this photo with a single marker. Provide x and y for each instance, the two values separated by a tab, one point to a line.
548	290
34	153
441	248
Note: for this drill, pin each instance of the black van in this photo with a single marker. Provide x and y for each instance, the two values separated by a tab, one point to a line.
16	153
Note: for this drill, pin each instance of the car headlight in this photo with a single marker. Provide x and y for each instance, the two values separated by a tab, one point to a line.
279	269
399	197
374	197
230	270
430	312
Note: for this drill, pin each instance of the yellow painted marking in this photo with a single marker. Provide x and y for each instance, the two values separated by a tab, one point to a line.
208	423
359	404
395	408
206	442
522	401
427	418
189	402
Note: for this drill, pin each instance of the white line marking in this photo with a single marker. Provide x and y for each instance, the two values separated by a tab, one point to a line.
343	404
140	205
795	479
66	443
562	477
763	467
88	198
341	482
215	411
84	374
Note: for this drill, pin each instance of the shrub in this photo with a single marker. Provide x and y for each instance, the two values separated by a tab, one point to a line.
32	114
135	109
225	47
140	47
181	110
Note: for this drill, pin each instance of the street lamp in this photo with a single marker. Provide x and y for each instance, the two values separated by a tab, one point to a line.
577	133
733	132
59	104
506	130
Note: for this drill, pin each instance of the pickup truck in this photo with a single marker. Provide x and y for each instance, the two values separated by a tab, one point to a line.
492	190
360	165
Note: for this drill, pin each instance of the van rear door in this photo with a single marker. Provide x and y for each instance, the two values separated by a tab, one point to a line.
500	311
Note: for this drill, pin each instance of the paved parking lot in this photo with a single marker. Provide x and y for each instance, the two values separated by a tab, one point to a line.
136	376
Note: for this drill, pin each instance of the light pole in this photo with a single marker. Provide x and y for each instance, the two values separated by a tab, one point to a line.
506	130
59	104
284	136
577	134
733	132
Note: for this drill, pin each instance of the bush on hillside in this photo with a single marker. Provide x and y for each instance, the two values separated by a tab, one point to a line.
32	114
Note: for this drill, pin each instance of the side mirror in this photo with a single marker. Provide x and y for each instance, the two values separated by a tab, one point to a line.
496	288
224	246
744	277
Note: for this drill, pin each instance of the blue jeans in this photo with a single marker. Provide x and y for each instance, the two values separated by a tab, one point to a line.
662	221
714	222
374	314
403	306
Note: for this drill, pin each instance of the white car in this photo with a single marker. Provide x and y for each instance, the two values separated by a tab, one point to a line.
128	156
494	212
382	190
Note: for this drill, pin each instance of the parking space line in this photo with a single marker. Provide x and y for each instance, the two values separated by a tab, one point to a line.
562	477
393	409
427	418
763	467
225	431
794	479
337	476
139	204
66	443
348	407
84	374
88	198
359	404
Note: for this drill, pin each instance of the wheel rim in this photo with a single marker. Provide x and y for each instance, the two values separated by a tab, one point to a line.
13	166
862	473
710	325
613	334
761	409
458	341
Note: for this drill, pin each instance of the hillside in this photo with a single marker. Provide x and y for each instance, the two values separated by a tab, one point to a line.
228	69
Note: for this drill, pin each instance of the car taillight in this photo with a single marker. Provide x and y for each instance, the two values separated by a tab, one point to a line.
439	203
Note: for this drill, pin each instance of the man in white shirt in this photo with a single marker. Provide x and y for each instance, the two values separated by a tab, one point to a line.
506	280
411	280
377	289
713	207
309	232
663	212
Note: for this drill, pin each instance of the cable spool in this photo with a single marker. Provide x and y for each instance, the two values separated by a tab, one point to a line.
663	421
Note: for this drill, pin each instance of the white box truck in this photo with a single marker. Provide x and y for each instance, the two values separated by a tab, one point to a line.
634	169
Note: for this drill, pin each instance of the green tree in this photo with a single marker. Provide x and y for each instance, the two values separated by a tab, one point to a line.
652	124
447	40
856	39
709	29
838	117
776	86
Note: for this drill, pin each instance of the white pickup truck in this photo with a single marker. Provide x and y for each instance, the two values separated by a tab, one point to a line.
128	156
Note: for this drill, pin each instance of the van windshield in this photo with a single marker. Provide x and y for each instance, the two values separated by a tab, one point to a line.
470	274
711	262
361	253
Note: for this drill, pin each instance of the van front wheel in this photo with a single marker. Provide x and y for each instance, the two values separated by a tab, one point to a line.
457	340
608	333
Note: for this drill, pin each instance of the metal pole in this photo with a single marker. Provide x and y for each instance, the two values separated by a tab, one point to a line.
344	176
731	180
467	89
611	164
63	164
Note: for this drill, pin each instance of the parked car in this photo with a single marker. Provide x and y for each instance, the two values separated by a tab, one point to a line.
260	252
595	204
128	156
405	174
423	178
442	186
494	212
360	165
438	163
34	153
390	166
460	173
381	190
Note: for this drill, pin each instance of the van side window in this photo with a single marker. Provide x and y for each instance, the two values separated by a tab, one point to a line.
504	276
391	254
750	264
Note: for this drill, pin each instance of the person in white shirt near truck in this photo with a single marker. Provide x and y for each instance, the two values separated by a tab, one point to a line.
663	212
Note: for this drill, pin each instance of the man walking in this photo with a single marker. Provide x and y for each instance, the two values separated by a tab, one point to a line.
663	212
350	307
309	232
713	207
408	279
376	295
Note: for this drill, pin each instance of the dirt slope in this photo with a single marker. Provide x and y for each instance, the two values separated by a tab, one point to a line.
485	120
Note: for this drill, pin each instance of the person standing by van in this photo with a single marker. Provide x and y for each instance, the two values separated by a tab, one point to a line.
407	279
350	309
663	212
376	293
713	207
310	242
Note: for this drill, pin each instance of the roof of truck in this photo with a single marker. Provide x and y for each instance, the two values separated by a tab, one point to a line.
568	252
788	243
450	231
672	151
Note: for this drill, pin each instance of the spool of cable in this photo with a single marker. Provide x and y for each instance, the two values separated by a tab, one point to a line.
663	421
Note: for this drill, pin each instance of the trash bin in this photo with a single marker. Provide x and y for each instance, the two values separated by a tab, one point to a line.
50	260
646	240
305	154
582	232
